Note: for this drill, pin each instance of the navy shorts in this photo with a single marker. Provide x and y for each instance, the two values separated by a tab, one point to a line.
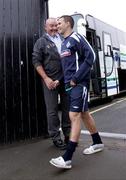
78	98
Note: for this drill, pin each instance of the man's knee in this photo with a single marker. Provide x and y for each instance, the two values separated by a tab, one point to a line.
74	115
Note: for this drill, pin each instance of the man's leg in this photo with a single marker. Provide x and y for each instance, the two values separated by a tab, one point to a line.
89	122
65	120
75	118
51	100
65	160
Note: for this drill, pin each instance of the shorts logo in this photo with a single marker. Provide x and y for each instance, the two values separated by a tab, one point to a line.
75	107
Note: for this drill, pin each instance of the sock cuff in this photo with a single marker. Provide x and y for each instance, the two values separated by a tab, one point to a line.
96	138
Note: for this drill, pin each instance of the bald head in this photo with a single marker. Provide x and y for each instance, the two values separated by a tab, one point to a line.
50	21
51	26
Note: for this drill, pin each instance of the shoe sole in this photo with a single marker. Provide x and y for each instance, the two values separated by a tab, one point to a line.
58	166
95	151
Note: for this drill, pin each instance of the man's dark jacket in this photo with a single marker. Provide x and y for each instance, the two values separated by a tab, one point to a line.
45	53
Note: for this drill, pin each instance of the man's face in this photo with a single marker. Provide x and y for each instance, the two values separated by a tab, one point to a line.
62	26
51	27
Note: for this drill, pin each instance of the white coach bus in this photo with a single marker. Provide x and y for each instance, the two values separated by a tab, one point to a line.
108	75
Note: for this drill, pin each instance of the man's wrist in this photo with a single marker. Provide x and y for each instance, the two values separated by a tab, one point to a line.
74	80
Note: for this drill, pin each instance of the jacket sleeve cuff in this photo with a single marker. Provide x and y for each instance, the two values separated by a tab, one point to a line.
37	64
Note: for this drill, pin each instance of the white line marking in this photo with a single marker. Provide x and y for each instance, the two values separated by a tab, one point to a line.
107	106
106	134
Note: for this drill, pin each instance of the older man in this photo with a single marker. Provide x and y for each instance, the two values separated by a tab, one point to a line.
47	62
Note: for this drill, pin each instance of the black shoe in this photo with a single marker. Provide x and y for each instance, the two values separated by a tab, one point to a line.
60	144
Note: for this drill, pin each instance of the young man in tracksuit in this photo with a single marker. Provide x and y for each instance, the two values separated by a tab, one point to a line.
47	62
77	58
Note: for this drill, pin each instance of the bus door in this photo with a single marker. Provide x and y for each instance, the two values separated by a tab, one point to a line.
110	70
95	83
80	26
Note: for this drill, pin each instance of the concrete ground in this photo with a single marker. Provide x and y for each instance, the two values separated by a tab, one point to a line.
30	161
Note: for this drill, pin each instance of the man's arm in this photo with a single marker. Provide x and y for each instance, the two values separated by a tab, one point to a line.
88	59
36	60
48	81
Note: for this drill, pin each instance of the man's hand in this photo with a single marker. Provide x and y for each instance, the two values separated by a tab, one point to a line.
72	83
56	83
50	83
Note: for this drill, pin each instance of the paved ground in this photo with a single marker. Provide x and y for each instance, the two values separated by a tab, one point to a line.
30	161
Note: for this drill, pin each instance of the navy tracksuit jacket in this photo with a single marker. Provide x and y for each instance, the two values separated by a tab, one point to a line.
77	57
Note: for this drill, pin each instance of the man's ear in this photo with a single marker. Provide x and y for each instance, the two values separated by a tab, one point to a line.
45	28
68	23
